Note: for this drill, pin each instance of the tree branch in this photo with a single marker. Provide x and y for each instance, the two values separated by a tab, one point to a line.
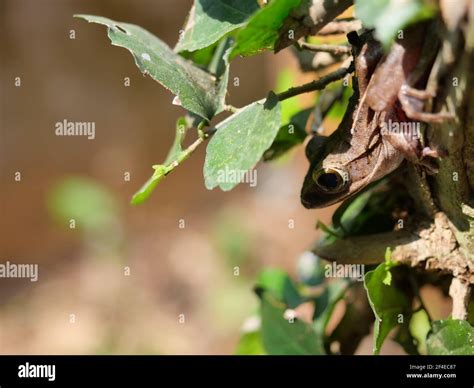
326	48
460	292
340	26
309	18
311	61
431	244
318	84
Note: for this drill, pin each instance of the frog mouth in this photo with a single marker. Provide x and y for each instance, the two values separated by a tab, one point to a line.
314	200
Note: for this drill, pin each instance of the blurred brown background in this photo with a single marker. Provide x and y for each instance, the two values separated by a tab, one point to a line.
82	271
84	301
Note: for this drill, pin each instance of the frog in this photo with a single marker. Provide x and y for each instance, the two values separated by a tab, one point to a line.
361	150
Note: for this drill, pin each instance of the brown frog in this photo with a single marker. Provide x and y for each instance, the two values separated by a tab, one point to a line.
363	148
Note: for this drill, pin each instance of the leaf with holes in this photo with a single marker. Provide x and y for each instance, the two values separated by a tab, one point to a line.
210	20
196	90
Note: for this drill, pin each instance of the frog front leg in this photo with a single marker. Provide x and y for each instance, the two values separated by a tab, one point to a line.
405	136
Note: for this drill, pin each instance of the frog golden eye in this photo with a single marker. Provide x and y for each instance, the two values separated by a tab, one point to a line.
331	180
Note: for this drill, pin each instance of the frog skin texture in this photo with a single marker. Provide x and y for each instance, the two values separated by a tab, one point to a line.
361	150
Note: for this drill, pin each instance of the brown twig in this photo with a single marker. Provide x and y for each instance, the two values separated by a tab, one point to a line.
308	19
318	84
326	48
311	61
431	244
340	26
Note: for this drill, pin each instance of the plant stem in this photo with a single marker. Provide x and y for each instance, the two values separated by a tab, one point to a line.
340	26
318	84
230	108
326	48
185	154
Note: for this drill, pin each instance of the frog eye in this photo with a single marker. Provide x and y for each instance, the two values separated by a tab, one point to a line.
331	180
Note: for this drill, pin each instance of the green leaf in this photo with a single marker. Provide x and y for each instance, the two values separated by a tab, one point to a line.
219	63
280	285
261	31
239	143
219	66
197	90
250	343
369	211
388	17
286	337
289	135
201	57
210	20
206	57
346	214
419	328
145	191
325	303
387	302
451	337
